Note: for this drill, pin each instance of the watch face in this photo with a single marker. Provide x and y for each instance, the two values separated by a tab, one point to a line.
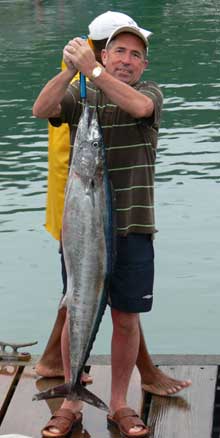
96	72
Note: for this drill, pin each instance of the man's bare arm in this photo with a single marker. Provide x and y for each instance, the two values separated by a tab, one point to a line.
125	96
48	102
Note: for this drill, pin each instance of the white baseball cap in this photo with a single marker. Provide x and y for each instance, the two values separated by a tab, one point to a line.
105	24
143	34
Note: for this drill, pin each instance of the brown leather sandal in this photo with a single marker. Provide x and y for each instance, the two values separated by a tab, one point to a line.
125	419
64	420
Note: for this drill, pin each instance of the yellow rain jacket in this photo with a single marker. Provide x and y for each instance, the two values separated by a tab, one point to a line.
58	160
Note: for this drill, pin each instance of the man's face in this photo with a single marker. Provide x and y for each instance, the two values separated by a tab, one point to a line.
125	58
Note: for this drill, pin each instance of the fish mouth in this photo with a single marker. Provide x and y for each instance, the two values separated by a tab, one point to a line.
85	166
85	162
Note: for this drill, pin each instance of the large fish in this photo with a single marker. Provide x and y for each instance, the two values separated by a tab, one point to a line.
87	240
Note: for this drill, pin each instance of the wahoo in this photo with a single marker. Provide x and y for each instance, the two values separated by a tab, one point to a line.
87	240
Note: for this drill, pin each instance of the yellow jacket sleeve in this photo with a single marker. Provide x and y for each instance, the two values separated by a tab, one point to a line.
58	159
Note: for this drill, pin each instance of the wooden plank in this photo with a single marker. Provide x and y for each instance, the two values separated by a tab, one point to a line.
167	359
191	413
8	375
158	359
24	416
28	418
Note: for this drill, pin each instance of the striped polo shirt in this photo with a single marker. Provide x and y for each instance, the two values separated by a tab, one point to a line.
131	152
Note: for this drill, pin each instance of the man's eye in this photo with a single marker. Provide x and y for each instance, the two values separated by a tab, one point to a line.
136	55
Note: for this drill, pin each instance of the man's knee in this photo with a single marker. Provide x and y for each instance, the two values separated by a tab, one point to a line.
125	322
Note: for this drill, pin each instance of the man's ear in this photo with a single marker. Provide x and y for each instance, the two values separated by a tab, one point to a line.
104	56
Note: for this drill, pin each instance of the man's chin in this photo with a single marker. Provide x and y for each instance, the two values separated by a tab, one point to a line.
124	78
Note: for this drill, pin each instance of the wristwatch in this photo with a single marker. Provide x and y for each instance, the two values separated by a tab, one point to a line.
98	69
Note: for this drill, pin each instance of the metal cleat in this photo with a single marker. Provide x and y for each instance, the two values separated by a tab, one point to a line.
14	354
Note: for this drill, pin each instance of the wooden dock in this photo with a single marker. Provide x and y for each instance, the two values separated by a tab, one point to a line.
195	412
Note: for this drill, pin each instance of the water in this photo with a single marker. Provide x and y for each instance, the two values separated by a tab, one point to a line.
184	60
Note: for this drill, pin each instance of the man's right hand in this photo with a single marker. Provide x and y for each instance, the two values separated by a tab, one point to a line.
68	57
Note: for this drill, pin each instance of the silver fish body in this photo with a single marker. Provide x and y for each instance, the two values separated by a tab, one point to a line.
83	239
87	246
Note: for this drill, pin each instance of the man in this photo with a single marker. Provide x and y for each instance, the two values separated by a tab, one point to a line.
50	364
129	112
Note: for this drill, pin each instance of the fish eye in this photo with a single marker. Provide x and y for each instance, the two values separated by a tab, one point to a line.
95	144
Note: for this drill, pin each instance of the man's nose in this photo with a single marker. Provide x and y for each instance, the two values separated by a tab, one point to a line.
126	58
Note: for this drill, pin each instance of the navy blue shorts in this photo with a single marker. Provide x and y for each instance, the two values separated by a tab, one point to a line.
131	286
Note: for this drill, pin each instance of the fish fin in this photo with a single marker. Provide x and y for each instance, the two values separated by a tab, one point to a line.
88	397
76	392
57	391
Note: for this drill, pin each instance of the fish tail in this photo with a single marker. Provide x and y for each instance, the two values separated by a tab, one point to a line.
88	397
55	392
76	392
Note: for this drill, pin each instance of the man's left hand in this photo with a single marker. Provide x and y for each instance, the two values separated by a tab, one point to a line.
79	53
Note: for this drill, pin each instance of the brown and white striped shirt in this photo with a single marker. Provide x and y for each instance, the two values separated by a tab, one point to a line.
131	152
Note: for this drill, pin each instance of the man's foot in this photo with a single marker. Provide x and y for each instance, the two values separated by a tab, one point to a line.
160	383
52	372
45	370
64	420
128	423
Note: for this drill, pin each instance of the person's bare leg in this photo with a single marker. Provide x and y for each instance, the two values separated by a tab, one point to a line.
50	363
152	378
76	405
125	345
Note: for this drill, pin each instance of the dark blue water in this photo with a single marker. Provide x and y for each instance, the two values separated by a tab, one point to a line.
184	60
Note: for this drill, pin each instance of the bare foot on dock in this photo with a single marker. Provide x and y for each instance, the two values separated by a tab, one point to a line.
49	371
159	383
52	372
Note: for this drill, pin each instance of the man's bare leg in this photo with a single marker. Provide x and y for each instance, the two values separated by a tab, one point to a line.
50	364
152	378
76	405
72	406
125	345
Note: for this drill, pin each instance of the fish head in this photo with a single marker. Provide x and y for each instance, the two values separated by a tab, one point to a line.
88	147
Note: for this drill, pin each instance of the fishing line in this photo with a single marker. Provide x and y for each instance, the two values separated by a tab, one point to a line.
82	80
